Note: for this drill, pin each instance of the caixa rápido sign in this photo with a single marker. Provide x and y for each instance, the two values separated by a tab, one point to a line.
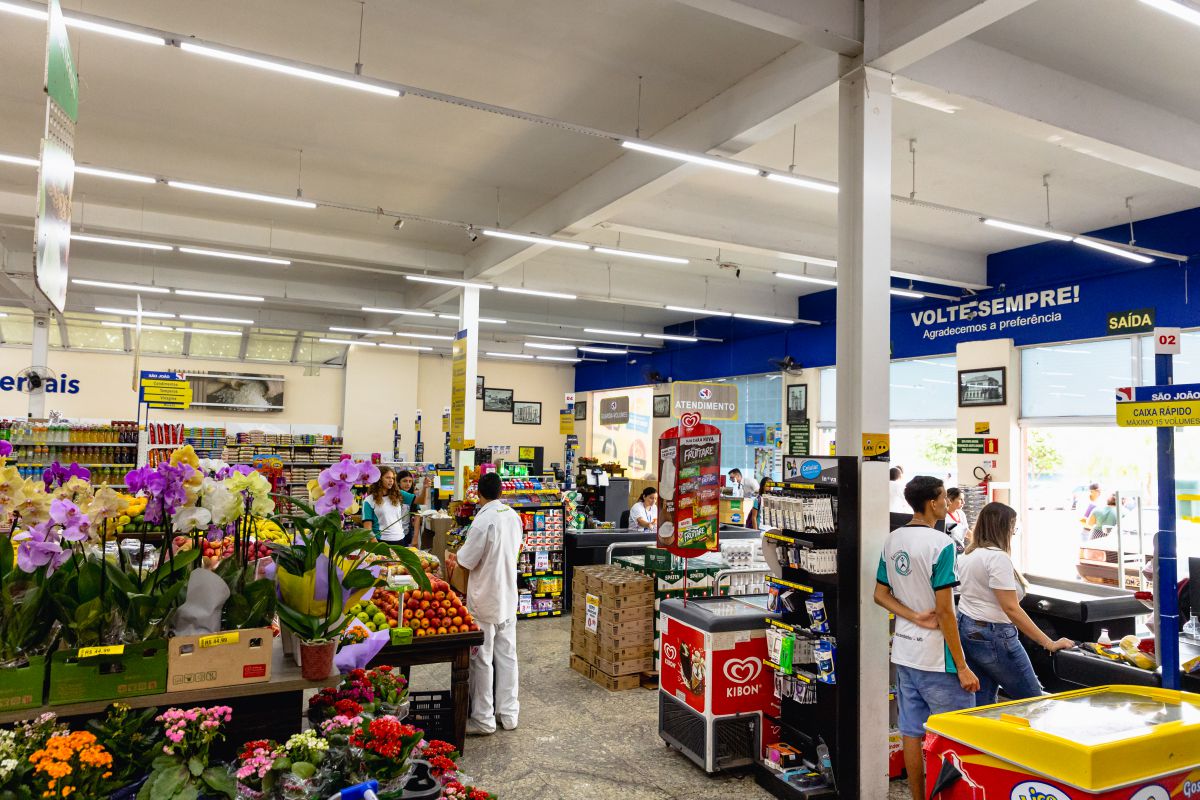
60	385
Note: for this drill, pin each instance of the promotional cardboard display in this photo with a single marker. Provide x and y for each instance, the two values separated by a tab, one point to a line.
689	468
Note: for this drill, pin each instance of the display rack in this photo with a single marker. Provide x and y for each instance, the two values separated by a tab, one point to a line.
816	510
107	449
302	456
208	442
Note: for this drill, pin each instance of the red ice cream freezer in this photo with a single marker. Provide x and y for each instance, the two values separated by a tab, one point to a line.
713	688
1110	742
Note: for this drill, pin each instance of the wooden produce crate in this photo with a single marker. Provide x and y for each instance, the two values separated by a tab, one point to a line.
227	658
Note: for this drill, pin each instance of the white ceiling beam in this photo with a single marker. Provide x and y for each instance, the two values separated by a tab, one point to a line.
829	24
901	32
770	99
1042	103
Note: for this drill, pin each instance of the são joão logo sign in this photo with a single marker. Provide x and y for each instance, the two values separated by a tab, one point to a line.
63	384
711	400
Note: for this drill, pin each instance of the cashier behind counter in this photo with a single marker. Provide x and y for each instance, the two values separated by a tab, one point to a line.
644	514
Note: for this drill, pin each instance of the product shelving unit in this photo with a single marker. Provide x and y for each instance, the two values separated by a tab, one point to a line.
818	711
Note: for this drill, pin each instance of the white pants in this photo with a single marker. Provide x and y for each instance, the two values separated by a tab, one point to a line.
498	653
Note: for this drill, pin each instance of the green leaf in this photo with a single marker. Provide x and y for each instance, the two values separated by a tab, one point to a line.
219	780
195	766
6	558
189	792
359	579
167	783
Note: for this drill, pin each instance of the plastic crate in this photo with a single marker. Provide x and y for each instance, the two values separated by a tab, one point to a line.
432	712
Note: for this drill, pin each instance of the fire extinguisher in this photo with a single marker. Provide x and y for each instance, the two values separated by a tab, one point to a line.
984	479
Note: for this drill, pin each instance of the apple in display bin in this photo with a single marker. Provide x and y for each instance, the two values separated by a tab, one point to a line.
436	612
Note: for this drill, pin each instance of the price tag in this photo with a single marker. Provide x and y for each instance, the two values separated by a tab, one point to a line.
217	639
541	560
108	650
592	617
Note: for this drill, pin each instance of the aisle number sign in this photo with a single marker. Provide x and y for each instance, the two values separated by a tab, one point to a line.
164	390
1172	406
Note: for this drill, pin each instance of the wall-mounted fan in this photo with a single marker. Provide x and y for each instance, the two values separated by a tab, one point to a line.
35	379
787	364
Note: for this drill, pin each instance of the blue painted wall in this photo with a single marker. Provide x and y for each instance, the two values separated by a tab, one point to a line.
1044	292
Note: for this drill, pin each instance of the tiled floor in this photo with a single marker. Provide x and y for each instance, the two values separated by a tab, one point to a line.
578	741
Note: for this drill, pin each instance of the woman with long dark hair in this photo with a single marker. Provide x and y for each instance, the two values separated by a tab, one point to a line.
386	508
990	613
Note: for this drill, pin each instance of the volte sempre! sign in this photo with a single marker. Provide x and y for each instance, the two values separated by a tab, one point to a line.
710	400
1170	406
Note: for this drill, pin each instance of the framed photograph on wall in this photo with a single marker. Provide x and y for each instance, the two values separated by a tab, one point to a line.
982	387
662	405
581	409
526	413
479	388
797	407
498	400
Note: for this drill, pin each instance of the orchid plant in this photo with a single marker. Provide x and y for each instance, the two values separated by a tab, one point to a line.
327	564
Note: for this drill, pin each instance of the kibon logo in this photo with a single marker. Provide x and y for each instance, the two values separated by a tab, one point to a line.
689	420
1036	790
742	670
670	653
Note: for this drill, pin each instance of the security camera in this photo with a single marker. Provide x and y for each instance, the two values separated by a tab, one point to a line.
471	234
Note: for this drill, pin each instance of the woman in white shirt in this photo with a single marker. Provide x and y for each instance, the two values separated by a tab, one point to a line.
644	514
990	613
386	508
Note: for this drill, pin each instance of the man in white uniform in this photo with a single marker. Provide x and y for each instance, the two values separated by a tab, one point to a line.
490	556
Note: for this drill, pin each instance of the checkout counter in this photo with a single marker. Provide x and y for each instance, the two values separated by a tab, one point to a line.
586	547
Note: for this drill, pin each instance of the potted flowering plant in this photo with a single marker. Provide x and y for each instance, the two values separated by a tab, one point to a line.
183	772
16	746
257	769
384	745
326	566
303	754
133	739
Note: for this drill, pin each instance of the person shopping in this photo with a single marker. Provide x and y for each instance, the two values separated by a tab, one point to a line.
1103	518
990	613
644	514
915	581
387	508
489	556
956	519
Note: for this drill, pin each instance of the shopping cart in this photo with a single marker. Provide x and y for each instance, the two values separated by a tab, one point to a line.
362	791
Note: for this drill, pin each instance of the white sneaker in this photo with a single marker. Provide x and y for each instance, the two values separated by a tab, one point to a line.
508	724
475	729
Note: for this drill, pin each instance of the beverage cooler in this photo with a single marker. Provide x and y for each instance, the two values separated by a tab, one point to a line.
1110	742
713	687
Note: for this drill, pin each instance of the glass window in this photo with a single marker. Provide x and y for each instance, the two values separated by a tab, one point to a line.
90	336
1075	380
924	389
315	352
162	342
270	347
17	329
1186	364
211	345
828	395
926	451
760	399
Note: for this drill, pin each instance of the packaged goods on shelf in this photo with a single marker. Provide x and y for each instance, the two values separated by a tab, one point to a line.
800	511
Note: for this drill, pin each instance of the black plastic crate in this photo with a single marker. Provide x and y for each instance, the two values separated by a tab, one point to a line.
432	712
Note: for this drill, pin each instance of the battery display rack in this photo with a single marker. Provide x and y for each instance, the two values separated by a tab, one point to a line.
811	750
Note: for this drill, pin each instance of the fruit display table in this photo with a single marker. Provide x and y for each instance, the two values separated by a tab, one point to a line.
455	649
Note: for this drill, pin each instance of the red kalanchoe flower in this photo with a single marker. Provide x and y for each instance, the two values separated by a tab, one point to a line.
442	765
384	668
478	794
257	744
347	708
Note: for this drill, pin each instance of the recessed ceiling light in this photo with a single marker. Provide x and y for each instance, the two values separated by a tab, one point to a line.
536	292
250	298
128	287
196	251
145	327
210	331
240	195
133	312
228	320
399	311
437	336
87	237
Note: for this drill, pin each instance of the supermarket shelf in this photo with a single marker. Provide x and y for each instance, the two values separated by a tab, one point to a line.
800	676
532	614
783	625
72	444
89	466
546	594
800	587
540	573
769	780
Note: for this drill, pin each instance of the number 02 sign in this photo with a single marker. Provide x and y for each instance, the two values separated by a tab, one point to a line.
1166	341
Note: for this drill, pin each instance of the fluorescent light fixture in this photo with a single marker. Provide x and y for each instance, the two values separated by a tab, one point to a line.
262	198
608	251
803	259
226	320
454	317
509	355
673	337
347	342
559	358
702	311
24	11
541	346
133	312
447	282
421	347
483	320
804	183
611	351
436	336
85	237
196	251
211	331
119	31
717	163
249	298
607	332
536	292
1029	230
759	318
129	287
145	327
791	276
532	239
114	174
24	161
399	311
287	68
905	293
364	331
1116	251
1182	11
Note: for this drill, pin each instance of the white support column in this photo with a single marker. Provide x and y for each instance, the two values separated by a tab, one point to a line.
468	314
39	357
863	360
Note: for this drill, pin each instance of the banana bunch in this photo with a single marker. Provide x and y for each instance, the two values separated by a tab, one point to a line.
267	530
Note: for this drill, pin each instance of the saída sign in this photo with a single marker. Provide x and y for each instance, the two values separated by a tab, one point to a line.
1140	320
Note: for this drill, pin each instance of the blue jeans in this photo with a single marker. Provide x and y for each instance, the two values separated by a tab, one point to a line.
922	694
994	653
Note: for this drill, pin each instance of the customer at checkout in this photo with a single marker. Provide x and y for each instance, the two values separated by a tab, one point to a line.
489	556
748	489
915	581
990	613
644	514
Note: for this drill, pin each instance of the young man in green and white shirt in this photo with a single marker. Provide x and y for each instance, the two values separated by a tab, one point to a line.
915	581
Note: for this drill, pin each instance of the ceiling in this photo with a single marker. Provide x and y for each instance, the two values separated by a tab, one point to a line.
709	80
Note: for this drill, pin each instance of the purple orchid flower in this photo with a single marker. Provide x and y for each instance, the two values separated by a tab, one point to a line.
41	548
73	521
342	472
337	497
6	448
135	479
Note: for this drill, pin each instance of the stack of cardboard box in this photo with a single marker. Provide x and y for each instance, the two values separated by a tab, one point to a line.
612	629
